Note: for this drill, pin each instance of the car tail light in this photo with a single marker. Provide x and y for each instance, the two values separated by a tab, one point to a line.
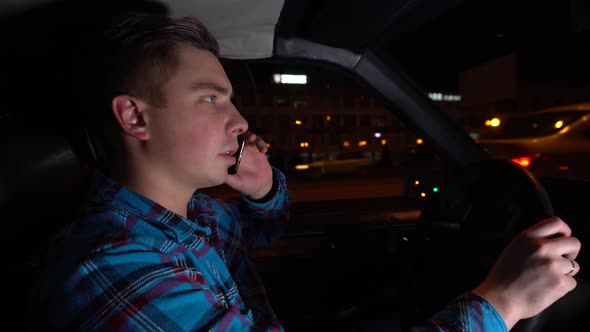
533	160
523	161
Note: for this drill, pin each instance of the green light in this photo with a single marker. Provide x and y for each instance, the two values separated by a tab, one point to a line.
435	189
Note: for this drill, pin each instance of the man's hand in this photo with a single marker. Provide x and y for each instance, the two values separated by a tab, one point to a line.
254	176
534	270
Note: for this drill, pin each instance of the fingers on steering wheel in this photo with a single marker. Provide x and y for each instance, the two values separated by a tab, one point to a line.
548	228
567	246
572	267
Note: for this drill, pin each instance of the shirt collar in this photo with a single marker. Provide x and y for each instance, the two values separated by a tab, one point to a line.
105	190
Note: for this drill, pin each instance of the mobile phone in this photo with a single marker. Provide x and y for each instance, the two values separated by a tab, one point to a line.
233	169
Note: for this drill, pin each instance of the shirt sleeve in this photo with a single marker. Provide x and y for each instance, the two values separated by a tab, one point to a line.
261	221
131	289
467	313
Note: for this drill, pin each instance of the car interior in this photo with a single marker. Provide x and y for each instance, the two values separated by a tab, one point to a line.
338	264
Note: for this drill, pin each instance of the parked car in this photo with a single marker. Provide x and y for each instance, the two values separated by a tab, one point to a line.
342	262
553	142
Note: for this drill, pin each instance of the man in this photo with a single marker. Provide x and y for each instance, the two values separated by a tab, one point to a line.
151	253
142	258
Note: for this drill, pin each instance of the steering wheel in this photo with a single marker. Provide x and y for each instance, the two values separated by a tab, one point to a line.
462	230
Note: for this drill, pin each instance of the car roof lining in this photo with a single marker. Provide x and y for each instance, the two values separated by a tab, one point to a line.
346	24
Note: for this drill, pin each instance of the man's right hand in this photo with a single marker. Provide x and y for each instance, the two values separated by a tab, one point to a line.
534	270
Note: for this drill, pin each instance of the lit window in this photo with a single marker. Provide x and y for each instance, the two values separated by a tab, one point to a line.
437	96
276	78
289	79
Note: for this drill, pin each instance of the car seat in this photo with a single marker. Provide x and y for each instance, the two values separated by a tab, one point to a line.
42	176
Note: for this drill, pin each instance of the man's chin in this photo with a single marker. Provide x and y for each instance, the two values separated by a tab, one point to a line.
215	181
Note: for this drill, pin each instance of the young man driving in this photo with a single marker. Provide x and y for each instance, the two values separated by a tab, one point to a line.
152	253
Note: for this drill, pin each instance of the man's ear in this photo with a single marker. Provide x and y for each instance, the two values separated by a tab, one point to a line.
131	116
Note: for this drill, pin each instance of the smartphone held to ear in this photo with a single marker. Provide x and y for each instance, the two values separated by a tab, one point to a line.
233	169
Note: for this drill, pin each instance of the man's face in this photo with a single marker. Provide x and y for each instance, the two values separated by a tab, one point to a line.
193	136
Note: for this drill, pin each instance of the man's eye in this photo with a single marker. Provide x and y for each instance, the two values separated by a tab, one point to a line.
209	99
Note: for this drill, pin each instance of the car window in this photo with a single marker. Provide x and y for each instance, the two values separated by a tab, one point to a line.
504	71
332	137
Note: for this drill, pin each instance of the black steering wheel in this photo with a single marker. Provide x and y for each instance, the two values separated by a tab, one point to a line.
462	230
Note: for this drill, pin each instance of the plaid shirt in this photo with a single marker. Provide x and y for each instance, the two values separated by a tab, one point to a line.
131	264
467	313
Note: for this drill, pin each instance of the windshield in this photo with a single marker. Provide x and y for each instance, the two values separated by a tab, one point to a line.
498	67
332	137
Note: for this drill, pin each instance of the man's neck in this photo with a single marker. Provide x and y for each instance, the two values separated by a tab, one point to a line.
160	189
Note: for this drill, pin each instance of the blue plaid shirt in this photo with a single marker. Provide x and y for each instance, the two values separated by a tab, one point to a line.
467	313
131	264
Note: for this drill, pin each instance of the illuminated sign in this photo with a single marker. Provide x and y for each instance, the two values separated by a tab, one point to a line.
289	79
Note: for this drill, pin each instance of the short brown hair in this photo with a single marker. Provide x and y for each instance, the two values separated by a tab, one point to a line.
137	55
145	46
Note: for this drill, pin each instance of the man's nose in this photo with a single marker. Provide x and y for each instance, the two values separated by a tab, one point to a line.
239	124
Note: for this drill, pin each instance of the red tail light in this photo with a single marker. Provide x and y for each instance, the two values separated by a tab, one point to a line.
523	161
